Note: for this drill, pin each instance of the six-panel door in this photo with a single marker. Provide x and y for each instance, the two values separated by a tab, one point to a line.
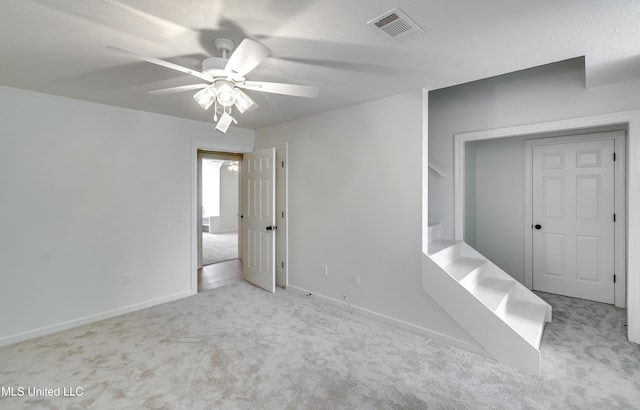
573	227
259	218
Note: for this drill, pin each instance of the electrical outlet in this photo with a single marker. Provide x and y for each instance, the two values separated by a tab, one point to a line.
356	279
126	279
324	270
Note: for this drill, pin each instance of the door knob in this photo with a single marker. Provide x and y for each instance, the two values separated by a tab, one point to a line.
538	226
271	228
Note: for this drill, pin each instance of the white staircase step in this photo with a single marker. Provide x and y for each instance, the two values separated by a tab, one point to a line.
463	266
527	319
492	291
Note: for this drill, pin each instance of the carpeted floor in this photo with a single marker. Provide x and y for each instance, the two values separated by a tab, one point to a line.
238	347
218	248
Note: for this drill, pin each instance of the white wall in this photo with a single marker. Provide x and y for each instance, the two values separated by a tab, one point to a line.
211	187
355	204
229	191
548	93
91	192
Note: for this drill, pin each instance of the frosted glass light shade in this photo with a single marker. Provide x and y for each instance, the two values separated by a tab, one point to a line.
243	101
205	97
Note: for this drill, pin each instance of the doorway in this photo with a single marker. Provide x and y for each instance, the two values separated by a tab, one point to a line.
576	204
264	218
573	219
219	230
209	219
499	219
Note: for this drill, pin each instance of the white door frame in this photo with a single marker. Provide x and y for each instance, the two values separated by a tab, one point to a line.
627	119
619	138
195	204
282	216
218	155
217	147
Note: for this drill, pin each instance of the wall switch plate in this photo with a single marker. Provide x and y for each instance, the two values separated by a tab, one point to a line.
324	270
356	279
126	279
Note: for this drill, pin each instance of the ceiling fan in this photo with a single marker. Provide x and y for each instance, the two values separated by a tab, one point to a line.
225	79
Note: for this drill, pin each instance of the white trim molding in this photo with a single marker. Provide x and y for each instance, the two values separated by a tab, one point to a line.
59	327
461	344
627	119
425	171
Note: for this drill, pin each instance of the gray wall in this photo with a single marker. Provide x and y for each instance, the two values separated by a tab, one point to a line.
470	196
91	192
547	93
495	198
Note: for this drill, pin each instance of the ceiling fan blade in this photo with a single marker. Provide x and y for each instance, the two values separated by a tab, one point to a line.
179	89
162	63
247	56
280	88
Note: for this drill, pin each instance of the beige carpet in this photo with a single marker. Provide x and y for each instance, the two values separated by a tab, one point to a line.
239	347
218	248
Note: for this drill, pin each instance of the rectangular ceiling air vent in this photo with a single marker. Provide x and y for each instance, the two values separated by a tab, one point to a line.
396	25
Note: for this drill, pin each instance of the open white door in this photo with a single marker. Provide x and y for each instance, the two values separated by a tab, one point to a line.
259	218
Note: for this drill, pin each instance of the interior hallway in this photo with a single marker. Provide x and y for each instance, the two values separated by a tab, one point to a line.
219	274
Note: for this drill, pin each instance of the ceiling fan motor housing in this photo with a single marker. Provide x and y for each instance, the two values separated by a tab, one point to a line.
214	66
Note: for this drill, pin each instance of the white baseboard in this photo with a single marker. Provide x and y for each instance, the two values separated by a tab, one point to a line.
221	231
47	330
440	337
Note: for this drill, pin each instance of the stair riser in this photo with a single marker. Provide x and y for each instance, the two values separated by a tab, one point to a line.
502	307
472	279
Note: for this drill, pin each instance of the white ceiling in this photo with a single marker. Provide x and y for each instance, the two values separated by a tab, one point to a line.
58	47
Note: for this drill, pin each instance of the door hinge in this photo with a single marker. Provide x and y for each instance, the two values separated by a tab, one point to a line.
283	214
282	264
614	217
282	164
614	156
614	278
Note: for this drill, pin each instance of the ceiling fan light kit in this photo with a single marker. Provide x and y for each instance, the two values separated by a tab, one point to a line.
225	77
